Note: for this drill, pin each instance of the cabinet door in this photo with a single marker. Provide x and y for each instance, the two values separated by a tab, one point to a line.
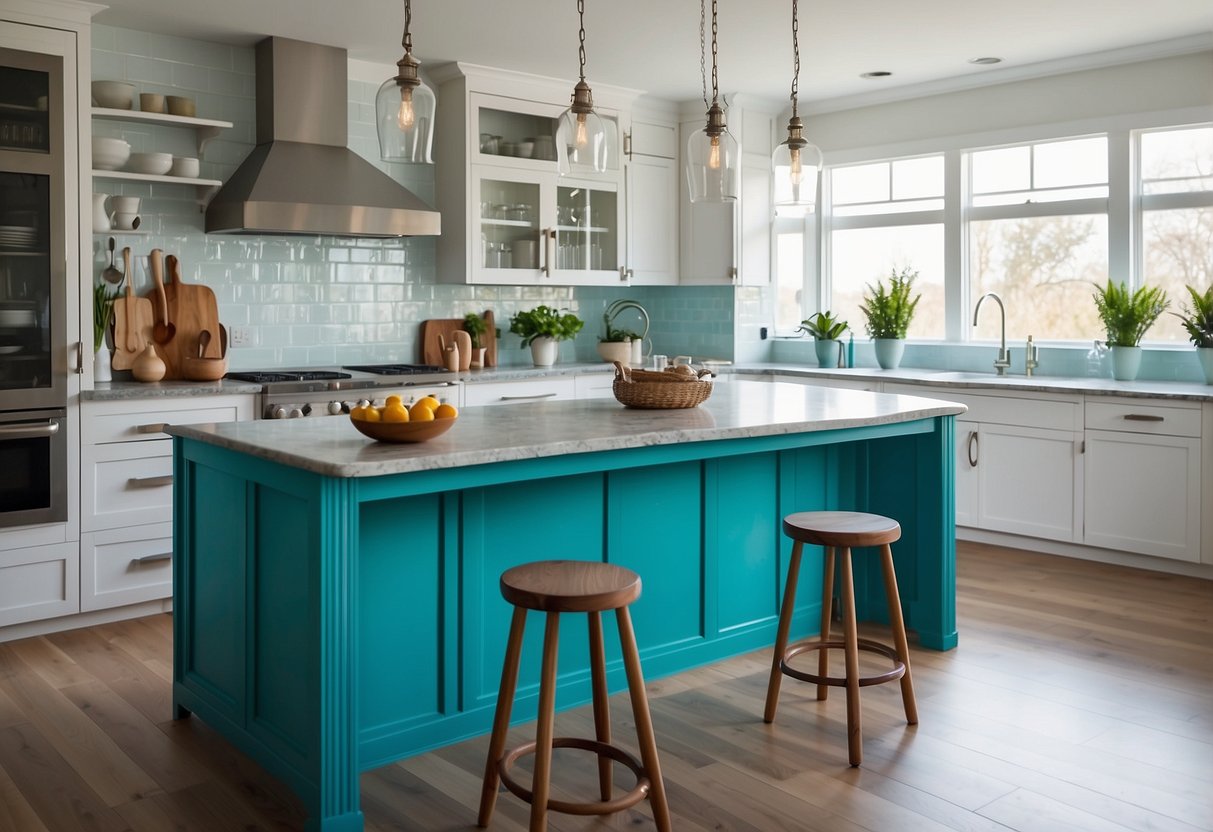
968	455
512	212
519	392
1143	494
587	243
1028	479
652	221
39	582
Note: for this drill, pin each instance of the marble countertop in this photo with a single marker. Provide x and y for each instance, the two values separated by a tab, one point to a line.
118	390
737	409
1191	391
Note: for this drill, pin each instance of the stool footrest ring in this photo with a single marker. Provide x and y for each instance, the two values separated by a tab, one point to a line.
899	668
602	749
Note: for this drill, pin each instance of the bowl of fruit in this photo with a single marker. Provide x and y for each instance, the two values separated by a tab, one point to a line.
397	422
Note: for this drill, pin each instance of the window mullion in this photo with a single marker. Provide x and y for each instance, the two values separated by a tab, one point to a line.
1124	238
955	247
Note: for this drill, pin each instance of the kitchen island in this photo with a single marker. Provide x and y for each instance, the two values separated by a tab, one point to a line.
336	600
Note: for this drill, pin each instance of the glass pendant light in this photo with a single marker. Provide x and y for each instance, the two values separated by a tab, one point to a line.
404	108
796	162
713	157
581	134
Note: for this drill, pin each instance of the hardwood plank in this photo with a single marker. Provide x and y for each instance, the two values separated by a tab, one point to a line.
16	815
54	666
118	669
1027	812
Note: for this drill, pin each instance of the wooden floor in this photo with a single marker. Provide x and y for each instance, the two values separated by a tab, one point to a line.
1080	699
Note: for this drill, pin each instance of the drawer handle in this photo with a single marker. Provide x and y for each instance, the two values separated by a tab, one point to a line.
524	398
154	427
1144	417
150	482
973	448
152	558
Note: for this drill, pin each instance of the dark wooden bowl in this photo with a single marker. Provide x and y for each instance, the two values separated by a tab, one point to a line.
402	431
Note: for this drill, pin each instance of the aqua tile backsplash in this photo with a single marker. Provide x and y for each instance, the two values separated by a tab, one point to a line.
317	300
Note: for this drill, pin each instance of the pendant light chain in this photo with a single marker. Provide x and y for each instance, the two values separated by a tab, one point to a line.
714	85
407	42
796	57
703	51
581	35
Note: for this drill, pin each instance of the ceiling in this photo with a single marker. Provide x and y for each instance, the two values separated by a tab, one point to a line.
653	45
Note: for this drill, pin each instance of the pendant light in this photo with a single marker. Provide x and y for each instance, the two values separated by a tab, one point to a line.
581	134
796	162
713	157
404	107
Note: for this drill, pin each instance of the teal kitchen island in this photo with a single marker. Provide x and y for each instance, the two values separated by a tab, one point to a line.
336	602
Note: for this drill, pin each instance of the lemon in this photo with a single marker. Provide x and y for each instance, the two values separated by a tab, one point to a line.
358	413
391	400
445	411
395	413
427	401
371	414
420	412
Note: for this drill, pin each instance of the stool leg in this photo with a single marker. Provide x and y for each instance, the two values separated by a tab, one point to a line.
644	721
827	618
851	639
899	632
501	720
542	780
602	713
781	637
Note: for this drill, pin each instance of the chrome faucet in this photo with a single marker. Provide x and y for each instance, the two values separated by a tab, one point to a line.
1003	362
1031	357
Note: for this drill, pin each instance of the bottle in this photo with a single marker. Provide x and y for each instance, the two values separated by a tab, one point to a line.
851	351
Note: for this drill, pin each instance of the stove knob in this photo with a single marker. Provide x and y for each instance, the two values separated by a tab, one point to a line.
334	408
278	412
296	413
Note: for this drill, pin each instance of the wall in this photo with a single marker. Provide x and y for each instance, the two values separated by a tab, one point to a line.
314	301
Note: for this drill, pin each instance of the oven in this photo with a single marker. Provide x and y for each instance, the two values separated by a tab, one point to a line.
296	394
33	457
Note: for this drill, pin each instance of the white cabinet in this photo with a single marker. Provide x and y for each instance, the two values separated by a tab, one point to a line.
519	392
594	385
39	582
1144	486
126	490
651	205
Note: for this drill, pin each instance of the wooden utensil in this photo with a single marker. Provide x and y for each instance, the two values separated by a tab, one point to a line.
204	338
163	328
192	308
463	344
132	323
433	354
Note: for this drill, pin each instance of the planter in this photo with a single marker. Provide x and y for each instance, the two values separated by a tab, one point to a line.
612	351
888	352
1205	355
101	365
478	358
827	351
544	351
1126	361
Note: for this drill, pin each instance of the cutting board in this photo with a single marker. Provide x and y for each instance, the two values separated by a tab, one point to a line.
133	316
431	353
192	308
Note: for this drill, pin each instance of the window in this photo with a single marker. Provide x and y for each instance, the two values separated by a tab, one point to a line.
885	217
1176	218
1038	235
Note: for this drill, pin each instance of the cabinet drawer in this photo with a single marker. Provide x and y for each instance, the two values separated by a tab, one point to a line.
127	484
1053	413
126	566
1133	417
595	386
519	392
39	582
119	422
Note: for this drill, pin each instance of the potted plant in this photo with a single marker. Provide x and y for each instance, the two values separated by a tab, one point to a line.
103	313
615	344
1198	321
825	329
543	328
475	326
889	312
1126	316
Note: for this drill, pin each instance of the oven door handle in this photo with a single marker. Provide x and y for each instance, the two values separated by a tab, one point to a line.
28	431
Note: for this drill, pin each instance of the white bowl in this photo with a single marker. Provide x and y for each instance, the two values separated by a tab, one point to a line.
109	154
186	166
153	163
117	95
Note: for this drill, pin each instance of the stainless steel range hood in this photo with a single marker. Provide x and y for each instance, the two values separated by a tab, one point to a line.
301	178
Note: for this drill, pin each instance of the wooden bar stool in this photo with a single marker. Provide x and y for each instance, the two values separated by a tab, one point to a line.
839	532
554	587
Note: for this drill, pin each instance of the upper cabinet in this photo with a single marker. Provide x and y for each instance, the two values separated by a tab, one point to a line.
651	178
508	216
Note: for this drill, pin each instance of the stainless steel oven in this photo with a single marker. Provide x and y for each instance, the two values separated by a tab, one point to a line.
33	467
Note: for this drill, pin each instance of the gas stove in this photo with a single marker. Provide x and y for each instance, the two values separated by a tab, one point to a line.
291	394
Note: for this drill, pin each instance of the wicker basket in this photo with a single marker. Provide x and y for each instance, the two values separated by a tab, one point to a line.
651	390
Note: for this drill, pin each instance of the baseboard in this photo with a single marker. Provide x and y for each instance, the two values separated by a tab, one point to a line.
1092	553
28	629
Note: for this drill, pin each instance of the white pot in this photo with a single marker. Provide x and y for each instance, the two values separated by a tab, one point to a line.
888	352
1205	356
620	351
1126	361
101	365
544	351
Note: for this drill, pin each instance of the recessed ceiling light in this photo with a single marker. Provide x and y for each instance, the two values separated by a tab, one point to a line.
880	73
985	61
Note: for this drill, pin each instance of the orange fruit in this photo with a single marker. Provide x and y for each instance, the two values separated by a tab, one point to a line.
391	400
372	414
358	413
445	411
395	413
420	412
428	401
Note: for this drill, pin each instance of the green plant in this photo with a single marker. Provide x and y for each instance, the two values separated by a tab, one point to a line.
823	326
890	311
1198	320
613	334
475	326
103	313
1127	315
545	322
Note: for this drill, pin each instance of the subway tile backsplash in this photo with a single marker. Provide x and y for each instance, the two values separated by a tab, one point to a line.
317	300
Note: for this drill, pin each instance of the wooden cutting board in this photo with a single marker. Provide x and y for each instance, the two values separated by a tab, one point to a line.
132	326
431	352
192	308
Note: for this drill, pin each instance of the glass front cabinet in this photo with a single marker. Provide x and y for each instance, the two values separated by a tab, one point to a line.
509	217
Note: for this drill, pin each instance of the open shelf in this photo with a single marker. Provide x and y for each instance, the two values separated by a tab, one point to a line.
205	188
205	128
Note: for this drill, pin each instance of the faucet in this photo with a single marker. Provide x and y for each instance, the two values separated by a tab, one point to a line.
1003	361
1031	357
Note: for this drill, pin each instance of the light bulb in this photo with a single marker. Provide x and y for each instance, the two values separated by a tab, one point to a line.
582	138
406	118
714	154
795	172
